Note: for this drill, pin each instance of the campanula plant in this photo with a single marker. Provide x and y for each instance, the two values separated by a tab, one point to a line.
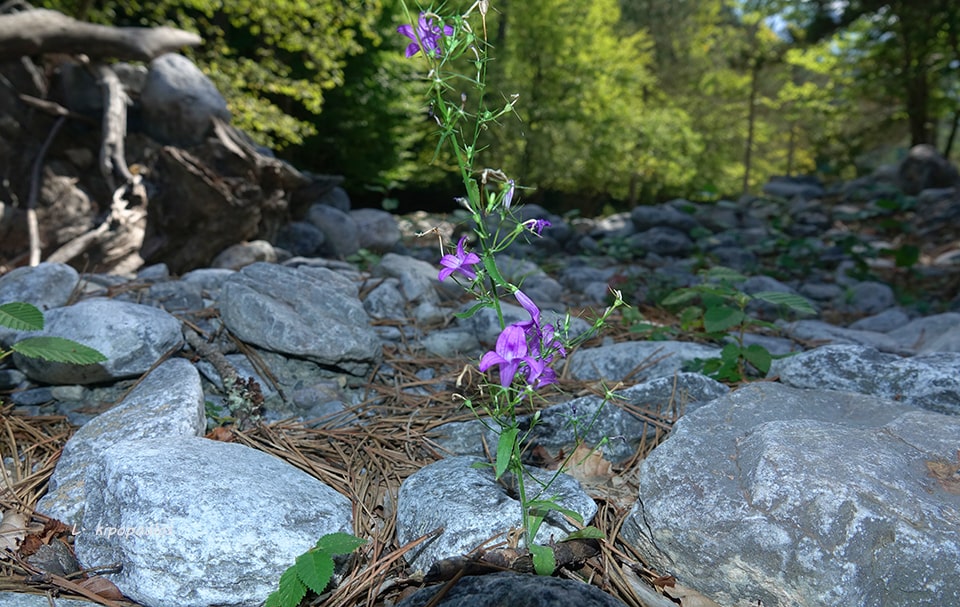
525	354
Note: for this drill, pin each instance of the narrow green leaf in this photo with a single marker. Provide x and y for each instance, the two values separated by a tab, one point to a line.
473	310
505	450
543	507
21	316
290	591
720	319
58	349
544	561
723	274
759	357
679	297
339	543
315	568
587	533
490	263
797	303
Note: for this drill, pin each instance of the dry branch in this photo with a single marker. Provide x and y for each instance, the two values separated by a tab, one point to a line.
41	31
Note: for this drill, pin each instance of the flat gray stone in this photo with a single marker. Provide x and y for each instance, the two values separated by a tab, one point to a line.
615	362
198	523
179	101
930	381
132	336
805	497
16	599
169	402
312	313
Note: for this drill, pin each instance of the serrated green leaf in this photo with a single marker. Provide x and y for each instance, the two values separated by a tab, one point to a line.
759	357
315	568
722	318
21	316
797	303
544	561
505	450
58	349
730	353
339	543
290	591
587	533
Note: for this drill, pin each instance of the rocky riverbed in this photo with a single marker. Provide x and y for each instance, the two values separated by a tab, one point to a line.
835	480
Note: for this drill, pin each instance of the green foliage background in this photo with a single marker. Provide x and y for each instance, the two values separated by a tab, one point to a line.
620	102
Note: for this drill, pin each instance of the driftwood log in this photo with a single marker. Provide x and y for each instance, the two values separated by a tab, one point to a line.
40	31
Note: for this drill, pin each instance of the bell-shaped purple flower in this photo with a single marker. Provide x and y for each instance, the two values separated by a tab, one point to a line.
510	351
426	35
461	261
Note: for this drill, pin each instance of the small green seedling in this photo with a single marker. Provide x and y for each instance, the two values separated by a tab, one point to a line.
721	312
26	317
312	569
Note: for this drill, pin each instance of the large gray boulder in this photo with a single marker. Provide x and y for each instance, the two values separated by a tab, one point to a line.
198	523
512	590
805	497
312	313
179	102
169	402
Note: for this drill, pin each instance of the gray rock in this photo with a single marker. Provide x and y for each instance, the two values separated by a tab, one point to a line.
301	238
133	337
157	272
418	279
179	102
790	187
646	217
198	522
210	279
176	296
948	341
385	301
925	168
340	233
819	332
651	359
560	425
505	589
870	297
337	198
48	285
451	343
243	254
804	497
930	381
882	322
921	331
168	403
308	312
662	240
16	599
473	507
377	230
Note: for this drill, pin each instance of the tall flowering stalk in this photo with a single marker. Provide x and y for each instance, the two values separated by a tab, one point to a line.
525	352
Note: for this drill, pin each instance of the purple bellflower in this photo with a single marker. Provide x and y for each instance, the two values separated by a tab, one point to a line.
537	225
520	349
461	261
426	35
508	197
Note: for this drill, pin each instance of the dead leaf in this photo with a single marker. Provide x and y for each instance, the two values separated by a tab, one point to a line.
222	434
13	528
947	473
689	597
588	466
103	587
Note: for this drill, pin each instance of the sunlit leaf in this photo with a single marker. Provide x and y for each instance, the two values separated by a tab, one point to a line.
58	349
21	316
544	561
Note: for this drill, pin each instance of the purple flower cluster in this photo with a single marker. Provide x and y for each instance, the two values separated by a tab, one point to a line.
526	347
426	35
461	261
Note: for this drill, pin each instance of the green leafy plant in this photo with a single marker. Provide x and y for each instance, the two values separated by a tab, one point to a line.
456	54
312	570
21	316
717	309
